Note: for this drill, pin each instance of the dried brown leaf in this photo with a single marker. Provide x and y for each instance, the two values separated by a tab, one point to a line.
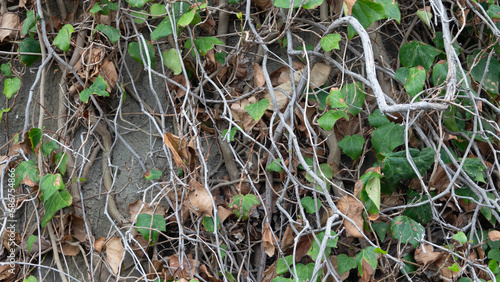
181	80
258	76
200	199
263	4
494	235
8	273
280	93
186	270
427	257
78	229
99	244
319	75
368	271
8	27
45	245
135	208
69	247
270	273
178	147
114	254
353	209
108	72
268	240
241	115
223	213
349	4
208	26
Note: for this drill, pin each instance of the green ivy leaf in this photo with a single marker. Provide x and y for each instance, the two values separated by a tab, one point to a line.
49	147
439	73
368	255
242	208
416	81
11	86
285	4
460	237
208	223
29	45
416	53
387	137
157	9
152	174
366	12
4	111
330	42
138	3
421	214
51	184
345	263
26	171
381	229
172	61
327	120
477	64
98	87
30	242
401	74
372	189
327	171
139	16
377	119
61	159
494	254
281	265
234	129
112	33
53	204
205	44
439	42
95	9
220	57
35	136
63	37
352	145
162	30
257	110
274	166
30	22
391	8
406	230
186	18
336	99
150	225
494	11
312	4
408	268
6	69
314	250
396	165
425	16
475	169
134	50
30	279
354	97
454	267
308	204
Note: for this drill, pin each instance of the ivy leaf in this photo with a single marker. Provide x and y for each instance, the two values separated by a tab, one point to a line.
6	69
368	255
49	147
416	81
439	73
152	174
354	97
345	263
308	204
312	4
314	250
63	37
30	242
477	64
381	229
53	204
139	16
242	205
234	129
352	145
134	50
372	189
408	268
138	3
425	16
35	136
30	22
377	119
401	74
186	18
475	169
26	172
387	137
11	86
150	225
439	42
157	9
391	8
257	110
51	184
162	30
281	265
274	166
112	33
205	44
208	223
4	111
416	53
285	4
172	61
327	120
336	99
98	87
396	165
29	45
61	159
494	11
460	237
330	42
421	214
95	9
366	12
326	170
406	230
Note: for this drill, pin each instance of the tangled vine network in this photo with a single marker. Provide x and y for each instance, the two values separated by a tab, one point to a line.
237	140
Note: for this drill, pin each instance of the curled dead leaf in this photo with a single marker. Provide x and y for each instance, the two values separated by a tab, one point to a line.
223	213
268	240
352	209
8	26
258	76
108	72
319	75
69	246
99	244
178	147
200	199
114	254
186	270
135	208
78	229
494	235
428	256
